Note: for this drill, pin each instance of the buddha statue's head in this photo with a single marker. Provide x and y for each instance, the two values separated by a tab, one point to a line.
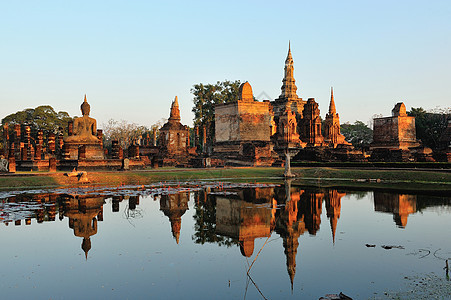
85	108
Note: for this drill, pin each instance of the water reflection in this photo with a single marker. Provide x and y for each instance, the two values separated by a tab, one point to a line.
233	216
174	206
83	213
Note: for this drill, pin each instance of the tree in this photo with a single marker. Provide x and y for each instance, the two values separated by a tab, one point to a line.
42	117
126	133
205	99
430	124
358	134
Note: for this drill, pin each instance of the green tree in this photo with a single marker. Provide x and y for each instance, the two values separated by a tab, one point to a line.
206	97
430	124
42	117
358	134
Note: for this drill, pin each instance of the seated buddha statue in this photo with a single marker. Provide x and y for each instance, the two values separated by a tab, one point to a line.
85	127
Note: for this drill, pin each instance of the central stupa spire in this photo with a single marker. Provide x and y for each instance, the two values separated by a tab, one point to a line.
289	84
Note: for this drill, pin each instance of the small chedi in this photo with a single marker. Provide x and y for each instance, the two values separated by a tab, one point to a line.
242	135
332	136
173	141
84	141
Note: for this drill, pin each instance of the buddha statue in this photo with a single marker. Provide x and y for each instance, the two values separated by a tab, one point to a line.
83	141
84	128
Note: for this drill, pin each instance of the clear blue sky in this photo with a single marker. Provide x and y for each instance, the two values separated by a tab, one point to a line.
132	58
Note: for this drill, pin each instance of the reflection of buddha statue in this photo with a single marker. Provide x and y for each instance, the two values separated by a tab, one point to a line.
82	214
85	128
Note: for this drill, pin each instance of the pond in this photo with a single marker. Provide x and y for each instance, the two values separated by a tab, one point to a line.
222	240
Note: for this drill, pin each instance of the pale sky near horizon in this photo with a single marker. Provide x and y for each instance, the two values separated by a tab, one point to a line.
132	58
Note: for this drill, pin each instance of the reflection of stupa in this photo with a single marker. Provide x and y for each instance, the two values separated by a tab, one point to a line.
400	205
82	214
290	225
333	207
174	206
242	217
311	207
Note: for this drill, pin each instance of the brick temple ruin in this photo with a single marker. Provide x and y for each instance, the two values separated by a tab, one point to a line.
247	133
28	149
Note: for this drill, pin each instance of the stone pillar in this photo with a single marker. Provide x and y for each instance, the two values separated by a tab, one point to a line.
52	164
40	137
12	164
188	140
17	141
5	140
51	143
38	152
11	150
70	128
204	139
27	147
115	149
60	141
133	151
100	136
196	136
23	153
154	137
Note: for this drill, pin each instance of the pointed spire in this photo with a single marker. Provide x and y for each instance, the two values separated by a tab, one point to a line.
85	99
175	111
333	227
289	59
332	109
289	86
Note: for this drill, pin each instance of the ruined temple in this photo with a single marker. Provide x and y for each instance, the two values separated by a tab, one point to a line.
311	124
395	132
173	141
287	109
242	130
332	136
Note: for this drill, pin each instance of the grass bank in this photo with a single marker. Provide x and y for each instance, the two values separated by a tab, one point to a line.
318	176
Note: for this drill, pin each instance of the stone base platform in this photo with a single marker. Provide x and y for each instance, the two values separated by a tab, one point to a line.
32	165
243	154
101	164
73	151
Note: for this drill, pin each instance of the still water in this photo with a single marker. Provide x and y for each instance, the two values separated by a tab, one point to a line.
215	240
